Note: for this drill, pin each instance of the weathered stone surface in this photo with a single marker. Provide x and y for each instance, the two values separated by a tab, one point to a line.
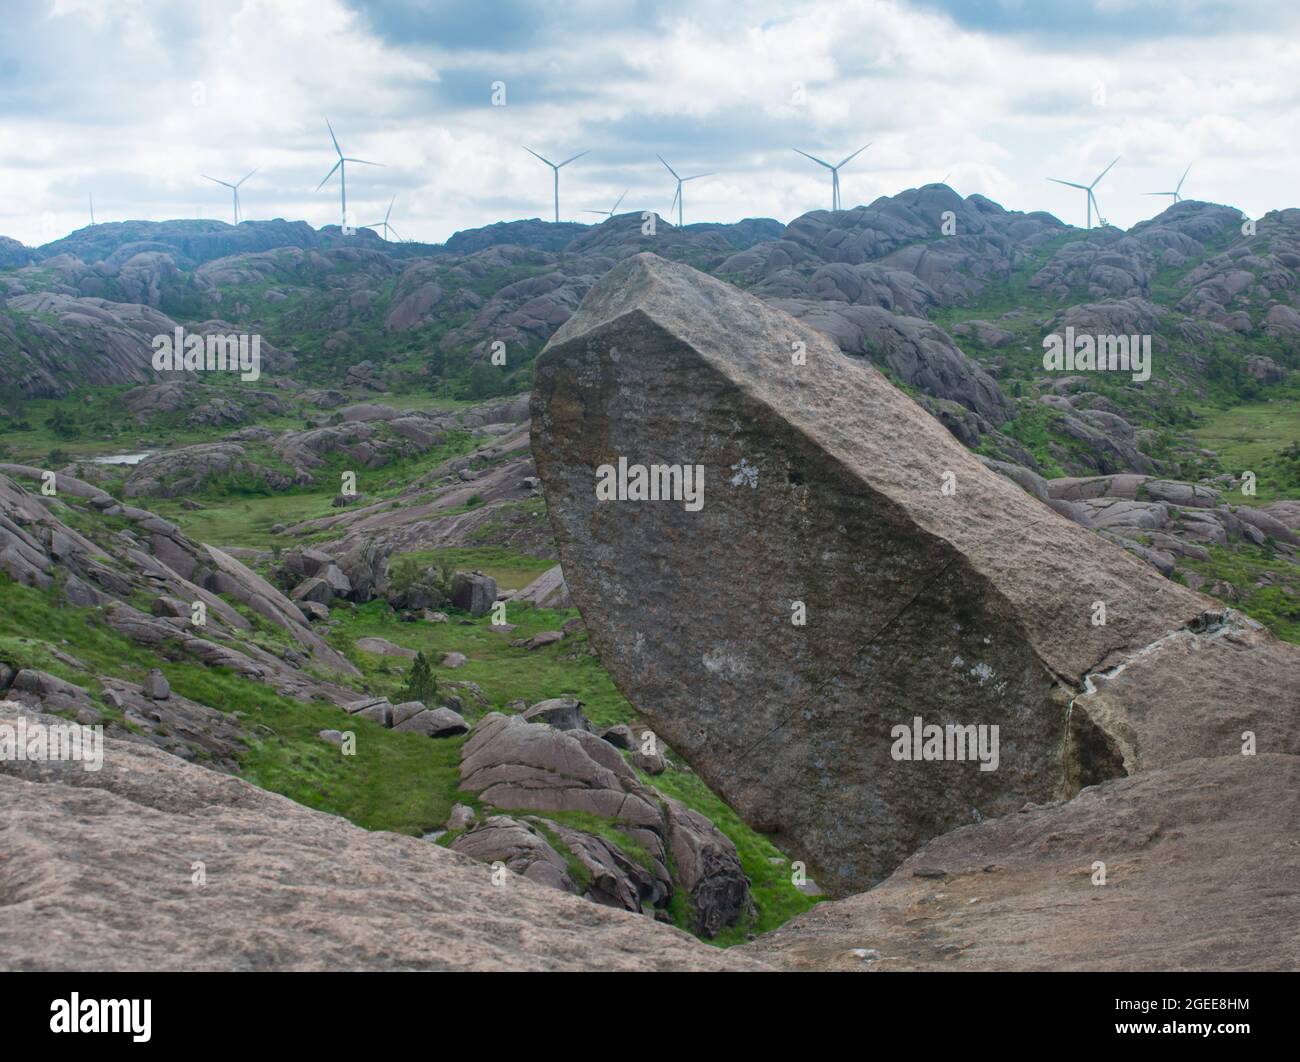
546	591
435	723
1201	874
563	713
708	868
384	647
343	897
824	485
473	592
514	764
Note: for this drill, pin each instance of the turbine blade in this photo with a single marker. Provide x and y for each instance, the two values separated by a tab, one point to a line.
696	177
590	211
1103	173
616	204
215	181
390	209
814	158
1069	184
1181	179
365	163
329	175
855	154
537	156
245	177
337	149
667	167
575	157
394	232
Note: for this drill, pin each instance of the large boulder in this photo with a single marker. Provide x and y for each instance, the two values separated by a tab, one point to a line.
933	592
474	592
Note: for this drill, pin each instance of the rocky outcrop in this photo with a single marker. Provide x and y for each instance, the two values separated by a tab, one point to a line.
1130	875
851	569
188	852
548	761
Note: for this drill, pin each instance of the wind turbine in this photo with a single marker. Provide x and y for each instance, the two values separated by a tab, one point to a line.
677	198
92	208
1092	199
342	167
384	224
608	213
1177	188
234	190
835	172
557	167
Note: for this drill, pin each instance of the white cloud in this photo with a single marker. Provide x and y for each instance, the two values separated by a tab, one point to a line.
98	97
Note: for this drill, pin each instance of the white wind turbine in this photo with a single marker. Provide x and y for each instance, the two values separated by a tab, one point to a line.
1176	193
835	171
556	167
384	224
608	213
342	167
234	191
92	208
677	198
1092	199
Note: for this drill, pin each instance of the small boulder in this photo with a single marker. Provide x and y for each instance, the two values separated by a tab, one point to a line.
436	723
156	687
620	736
563	713
452	660
474	592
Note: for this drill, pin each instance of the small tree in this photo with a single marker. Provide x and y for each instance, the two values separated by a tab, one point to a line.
421	683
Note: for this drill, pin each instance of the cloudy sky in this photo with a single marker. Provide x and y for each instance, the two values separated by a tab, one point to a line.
134	99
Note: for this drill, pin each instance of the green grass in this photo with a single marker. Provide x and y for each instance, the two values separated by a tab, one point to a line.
511	570
396	781
506	673
1276	605
1253	437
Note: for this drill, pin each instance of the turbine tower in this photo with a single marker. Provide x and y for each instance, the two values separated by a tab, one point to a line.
384	224
342	167
835	172
1177	188
608	213
556	167
677	198
1092	199
234	190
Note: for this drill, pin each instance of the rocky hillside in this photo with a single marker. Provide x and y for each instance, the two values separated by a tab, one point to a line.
340	581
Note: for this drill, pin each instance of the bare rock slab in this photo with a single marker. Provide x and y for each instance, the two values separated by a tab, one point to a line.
1200	873
850	568
343	898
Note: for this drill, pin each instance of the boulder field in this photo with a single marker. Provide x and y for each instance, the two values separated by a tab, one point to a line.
829	579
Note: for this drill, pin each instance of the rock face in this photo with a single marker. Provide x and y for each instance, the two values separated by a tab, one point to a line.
1022	892
345	898
525	763
928	587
